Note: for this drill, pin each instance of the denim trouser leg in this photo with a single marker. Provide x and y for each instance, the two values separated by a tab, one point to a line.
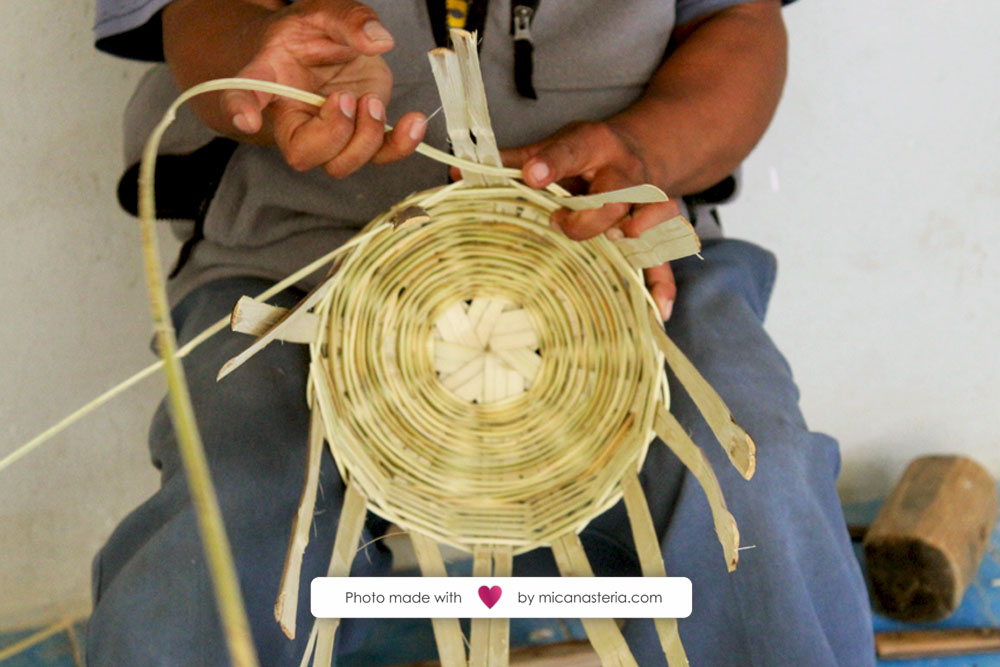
153	598
797	597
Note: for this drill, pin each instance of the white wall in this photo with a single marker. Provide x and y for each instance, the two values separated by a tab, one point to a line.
75	321
877	187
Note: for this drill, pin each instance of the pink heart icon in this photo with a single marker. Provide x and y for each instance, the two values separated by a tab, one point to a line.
489	596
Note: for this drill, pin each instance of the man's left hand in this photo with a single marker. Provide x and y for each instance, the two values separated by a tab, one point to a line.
593	158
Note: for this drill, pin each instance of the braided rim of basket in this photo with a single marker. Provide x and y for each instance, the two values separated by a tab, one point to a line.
518	471
493	476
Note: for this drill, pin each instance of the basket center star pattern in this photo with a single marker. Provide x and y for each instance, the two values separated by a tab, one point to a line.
486	349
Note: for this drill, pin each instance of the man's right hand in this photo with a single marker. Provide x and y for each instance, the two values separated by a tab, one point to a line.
329	47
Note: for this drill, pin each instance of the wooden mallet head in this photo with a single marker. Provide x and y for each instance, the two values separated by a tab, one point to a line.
926	544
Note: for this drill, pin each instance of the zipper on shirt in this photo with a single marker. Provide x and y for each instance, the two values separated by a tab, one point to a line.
522	12
475	20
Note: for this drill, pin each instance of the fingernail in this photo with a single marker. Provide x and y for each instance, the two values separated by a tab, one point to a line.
555	226
375	109
242	123
538	172
666	307
376	32
417	129
348	104
615	234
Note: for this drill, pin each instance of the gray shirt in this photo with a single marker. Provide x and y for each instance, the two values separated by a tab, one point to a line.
592	58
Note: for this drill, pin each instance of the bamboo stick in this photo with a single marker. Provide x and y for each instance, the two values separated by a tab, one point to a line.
603	633
447	631
74	647
499	642
667	241
479	628
451	88
35	638
636	194
286	608
351	523
236	628
277	330
310	644
255	318
475	105
738	445
677	439
651	561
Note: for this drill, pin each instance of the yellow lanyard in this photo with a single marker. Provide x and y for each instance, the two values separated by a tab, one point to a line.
457	12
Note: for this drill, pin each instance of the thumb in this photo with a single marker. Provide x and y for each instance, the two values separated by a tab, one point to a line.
659	279
538	173
578	150
516	157
358	25
662	288
244	107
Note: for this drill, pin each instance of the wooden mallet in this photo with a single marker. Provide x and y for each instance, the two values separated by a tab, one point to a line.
926	544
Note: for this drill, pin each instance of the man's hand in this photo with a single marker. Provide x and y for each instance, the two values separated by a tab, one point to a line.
329	47
596	157
699	116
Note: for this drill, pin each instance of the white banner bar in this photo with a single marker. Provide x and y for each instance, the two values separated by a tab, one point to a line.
501	597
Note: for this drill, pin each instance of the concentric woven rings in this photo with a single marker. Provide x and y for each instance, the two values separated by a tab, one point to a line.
518	471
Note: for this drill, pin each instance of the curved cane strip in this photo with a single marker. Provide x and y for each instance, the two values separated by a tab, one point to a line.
738	444
651	561
447	631
603	633
218	554
511	471
554	195
489	640
312	267
677	439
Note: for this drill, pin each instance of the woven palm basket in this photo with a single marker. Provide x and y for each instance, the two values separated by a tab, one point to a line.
484	382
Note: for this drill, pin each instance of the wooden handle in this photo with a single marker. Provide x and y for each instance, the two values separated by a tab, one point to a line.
926	544
936	643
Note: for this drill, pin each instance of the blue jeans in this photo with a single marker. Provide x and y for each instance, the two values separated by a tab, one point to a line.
797	598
